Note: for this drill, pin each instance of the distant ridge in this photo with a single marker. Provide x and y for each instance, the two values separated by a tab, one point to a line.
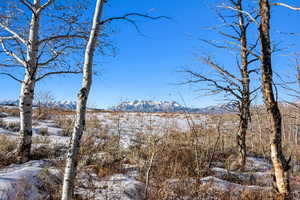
139	106
67	105
171	106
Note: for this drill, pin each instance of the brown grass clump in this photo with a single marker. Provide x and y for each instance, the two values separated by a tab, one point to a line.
50	183
42	113
172	154
7	147
43	131
10	110
11	126
175	155
66	123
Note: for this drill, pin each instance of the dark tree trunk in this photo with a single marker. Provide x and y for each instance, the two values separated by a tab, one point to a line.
280	164
245	101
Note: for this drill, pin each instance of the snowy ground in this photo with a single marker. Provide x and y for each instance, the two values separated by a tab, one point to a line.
127	124
28	180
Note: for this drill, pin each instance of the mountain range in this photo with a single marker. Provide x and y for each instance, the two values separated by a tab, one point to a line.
138	106
67	105
171	106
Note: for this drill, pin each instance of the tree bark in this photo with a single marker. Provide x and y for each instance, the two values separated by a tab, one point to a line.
71	162
27	90
241	137
25	106
245	101
280	164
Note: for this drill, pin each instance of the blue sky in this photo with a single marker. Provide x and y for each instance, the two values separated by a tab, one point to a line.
145	67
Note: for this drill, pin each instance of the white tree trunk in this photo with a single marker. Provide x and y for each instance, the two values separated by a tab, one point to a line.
71	162
25	105
27	90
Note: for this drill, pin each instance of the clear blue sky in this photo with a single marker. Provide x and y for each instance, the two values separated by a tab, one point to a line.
145	66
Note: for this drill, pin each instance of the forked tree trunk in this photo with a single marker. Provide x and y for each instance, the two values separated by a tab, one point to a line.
280	164
27	90
71	162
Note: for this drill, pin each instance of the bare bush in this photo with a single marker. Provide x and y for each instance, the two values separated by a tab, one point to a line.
7	146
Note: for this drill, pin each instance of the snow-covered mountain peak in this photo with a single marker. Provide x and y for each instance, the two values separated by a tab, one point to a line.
64	104
169	106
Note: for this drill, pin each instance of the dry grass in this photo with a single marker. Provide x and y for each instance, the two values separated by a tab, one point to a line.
40	140
43	131
11	126
51	184
66	123
10	110
174	154
44	113
7	146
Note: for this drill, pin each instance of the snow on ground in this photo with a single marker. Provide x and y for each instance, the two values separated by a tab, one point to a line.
115	187
27	181
149	122
18	181
130	124
24	179
260	178
8	133
53	132
210	187
127	124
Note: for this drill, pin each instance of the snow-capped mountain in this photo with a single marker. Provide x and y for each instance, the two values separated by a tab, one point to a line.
166	106
220	108
68	105
9	102
138	106
149	106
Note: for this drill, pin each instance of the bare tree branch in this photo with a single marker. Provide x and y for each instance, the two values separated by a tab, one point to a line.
202	78
127	16
246	49
253	60
45	6
28	2
59	72
7	37
28	5
231	48
230	36
220	69
66	36
56	54
12	54
11	76
229	24
286	5
14	33
244	12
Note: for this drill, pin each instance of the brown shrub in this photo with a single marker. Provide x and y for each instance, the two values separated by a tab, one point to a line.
10	110
7	146
66	123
